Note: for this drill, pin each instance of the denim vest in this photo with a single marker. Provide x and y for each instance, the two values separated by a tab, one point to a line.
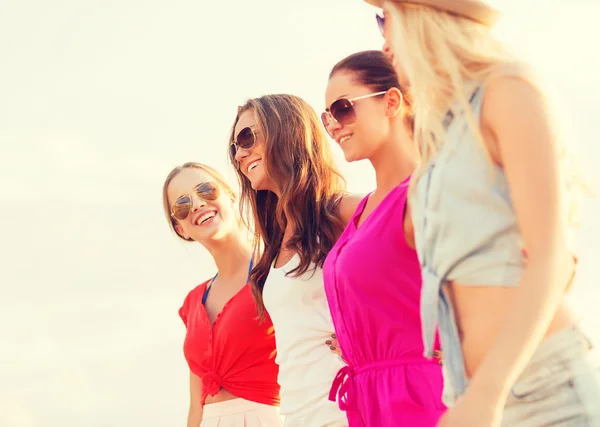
465	231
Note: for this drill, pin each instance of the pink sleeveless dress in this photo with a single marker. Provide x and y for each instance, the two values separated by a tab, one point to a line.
373	285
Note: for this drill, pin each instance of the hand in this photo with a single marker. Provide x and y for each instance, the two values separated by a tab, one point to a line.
473	409
438	356
334	345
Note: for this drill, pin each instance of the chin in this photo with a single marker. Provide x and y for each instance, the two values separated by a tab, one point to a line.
261	184
216	233
256	185
255	181
352	156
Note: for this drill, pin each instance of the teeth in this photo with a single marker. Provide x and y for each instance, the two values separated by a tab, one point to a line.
345	138
253	165
205	217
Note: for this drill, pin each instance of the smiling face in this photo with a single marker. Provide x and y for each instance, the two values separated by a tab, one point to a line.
360	139
207	219
251	161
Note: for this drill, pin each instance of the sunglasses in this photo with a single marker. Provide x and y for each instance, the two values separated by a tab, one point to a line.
245	139
342	111
380	23
183	205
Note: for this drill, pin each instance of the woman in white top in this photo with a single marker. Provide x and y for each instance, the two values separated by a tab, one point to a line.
293	193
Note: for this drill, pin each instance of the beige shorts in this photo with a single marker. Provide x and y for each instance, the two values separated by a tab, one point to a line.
240	412
559	387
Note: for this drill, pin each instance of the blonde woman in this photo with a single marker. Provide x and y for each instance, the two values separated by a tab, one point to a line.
231	355
491	182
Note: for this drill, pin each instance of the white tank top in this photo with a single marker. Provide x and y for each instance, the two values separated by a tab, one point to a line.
302	321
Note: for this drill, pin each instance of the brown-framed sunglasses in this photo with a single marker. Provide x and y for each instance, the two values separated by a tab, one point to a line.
342	111
182	207
246	139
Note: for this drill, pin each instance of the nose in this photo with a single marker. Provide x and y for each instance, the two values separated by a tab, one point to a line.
197	202
333	126
241	153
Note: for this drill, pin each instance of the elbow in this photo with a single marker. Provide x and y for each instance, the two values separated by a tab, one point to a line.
550	267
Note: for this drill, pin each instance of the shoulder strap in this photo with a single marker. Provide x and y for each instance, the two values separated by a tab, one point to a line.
207	290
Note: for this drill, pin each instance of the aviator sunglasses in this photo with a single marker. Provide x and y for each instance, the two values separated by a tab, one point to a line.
342	111
182	207
245	139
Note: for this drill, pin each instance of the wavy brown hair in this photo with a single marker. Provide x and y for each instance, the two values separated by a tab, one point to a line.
297	158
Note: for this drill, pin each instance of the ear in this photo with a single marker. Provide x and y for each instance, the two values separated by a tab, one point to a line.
180	232
394	100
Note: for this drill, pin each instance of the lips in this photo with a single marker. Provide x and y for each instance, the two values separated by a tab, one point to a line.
252	165
343	139
205	216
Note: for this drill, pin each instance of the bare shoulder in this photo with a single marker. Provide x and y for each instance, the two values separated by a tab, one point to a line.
348	205
514	112
511	98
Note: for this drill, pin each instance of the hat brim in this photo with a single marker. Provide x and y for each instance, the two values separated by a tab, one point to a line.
474	10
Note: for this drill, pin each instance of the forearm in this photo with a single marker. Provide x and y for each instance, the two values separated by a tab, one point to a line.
535	303
194	416
196	408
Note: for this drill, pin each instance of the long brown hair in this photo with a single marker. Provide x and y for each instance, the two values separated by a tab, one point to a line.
297	158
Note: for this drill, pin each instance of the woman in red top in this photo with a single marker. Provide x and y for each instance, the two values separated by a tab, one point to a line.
230	352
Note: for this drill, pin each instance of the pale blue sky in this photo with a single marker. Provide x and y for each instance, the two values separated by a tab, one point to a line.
99	100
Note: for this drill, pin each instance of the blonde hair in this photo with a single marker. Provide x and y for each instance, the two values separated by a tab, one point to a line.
191	165
446	54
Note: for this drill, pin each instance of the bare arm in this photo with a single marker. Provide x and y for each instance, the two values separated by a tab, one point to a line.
516	115
348	206
195	412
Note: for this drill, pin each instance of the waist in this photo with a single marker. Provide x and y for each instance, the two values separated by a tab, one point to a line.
222	396
464	351
234	406
342	382
392	363
303	374
478	333
255	383
557	347
548	367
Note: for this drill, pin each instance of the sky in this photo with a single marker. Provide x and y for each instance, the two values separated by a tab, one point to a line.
99	100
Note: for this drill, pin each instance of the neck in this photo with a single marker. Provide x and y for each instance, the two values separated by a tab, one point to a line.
395	160
230	254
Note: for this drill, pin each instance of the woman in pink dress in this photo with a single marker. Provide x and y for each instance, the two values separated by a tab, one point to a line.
372	275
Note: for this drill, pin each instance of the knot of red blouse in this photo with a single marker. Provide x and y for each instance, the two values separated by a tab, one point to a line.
211	384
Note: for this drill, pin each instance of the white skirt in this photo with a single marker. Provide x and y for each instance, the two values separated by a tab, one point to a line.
240	413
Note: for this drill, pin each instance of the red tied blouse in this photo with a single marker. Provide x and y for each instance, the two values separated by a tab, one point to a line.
237	353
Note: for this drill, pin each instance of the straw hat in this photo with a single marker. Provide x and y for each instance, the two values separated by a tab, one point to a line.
476	10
